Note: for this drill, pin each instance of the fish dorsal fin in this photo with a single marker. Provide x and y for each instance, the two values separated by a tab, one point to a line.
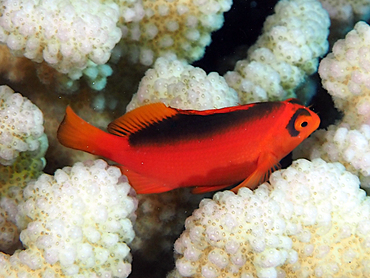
140	118
294	101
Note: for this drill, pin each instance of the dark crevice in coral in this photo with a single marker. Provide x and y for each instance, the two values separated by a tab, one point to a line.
242	26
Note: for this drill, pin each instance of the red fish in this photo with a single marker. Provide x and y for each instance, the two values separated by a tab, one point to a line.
162	148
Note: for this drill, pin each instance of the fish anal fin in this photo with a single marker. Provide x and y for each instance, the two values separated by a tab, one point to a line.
266	164
205	189
142	184
139	118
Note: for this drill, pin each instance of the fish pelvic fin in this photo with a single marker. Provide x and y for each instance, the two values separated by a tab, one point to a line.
78	134
142	184
205	189
266	164
140	118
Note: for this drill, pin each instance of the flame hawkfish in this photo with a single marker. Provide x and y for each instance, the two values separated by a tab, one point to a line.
161	148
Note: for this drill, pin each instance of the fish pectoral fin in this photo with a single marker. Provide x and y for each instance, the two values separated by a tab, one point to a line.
266	164
142	184
205	189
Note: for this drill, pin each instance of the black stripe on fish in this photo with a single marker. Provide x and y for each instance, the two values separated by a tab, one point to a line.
189	126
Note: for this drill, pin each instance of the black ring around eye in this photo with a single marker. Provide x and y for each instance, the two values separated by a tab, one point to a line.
291	125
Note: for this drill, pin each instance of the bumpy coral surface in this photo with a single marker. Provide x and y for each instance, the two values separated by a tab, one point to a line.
21	125
183	86
177	27
66	34
345	74
22	149
311	220
344	14
292	41
78	37
79	222
13	178
347	10
341	143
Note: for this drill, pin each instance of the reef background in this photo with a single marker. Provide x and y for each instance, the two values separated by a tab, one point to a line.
242	26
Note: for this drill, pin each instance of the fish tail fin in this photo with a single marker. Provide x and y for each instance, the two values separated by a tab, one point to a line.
78	134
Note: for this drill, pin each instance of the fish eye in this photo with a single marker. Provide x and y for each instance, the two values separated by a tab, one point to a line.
301	122
304	124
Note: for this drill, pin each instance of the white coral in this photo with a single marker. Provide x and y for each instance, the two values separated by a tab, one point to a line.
341	143
181	27
69	36
345	10
345	73
292	41
75	223
312	219
66	34
21	125
183	86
